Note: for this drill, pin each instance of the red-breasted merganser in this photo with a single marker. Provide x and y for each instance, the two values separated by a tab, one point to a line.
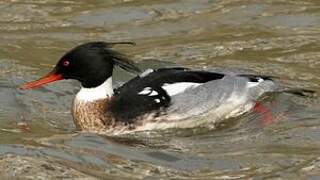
155	99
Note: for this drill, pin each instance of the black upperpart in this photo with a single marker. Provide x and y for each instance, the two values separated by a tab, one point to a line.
92	63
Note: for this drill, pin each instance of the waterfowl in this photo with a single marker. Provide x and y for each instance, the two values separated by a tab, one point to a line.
154	99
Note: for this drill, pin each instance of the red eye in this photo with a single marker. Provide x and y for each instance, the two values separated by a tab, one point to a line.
66	63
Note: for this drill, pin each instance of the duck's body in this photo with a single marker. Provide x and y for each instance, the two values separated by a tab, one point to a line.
155	99
166	98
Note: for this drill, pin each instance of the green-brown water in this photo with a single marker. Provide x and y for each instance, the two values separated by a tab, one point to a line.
276	37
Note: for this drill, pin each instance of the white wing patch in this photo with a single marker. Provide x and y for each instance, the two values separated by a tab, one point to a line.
145	91
176	88
153	93
148	91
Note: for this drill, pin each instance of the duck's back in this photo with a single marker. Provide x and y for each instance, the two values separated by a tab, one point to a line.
178	93
153	91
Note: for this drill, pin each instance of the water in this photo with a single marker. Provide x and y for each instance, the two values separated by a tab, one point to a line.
278	38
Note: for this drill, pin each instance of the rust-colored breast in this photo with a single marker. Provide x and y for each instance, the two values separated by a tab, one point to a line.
92	115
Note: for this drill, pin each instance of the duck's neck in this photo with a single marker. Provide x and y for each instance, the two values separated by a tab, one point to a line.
103	91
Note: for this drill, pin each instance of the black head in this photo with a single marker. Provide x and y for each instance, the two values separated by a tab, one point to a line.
91	64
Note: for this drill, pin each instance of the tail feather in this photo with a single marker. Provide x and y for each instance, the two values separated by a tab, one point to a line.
300	92
255	78
295	91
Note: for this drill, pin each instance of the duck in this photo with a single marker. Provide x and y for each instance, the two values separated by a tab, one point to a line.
168	97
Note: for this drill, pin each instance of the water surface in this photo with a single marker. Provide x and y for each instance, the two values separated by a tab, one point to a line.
278	38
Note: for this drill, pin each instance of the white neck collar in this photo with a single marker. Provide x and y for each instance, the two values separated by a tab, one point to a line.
103	91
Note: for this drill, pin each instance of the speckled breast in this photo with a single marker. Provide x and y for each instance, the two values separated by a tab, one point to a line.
91	115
